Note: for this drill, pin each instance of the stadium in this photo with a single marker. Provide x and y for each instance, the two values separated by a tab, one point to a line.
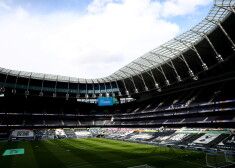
172	107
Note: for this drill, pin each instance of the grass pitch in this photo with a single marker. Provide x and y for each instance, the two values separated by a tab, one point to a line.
96	153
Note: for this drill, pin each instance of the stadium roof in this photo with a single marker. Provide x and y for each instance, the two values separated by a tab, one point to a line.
156	57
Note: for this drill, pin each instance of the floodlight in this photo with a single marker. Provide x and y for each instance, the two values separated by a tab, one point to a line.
156	85
195	78
192	75
77	96
233	47
204	66
40	93
219	58
54	95
136	91
178	78
146	88
2	89
167	82
26	93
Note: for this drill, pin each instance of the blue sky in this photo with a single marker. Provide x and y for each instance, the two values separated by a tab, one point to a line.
81	38
48	6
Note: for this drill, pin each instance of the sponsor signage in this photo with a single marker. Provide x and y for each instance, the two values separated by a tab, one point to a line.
13	152
105	101
228	143
206	138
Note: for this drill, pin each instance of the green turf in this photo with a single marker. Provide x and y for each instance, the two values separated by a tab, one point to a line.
96	153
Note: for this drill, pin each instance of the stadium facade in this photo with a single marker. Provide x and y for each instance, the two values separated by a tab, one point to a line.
185	85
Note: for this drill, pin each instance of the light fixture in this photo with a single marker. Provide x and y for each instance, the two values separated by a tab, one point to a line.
26	93
2	89
67	95
127	92
178	78
192	75
136	91
195	78
233	47
146	88
77	96
219	58
54	95
204	66
167	82
156	85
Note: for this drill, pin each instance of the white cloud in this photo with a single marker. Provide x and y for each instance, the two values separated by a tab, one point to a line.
97	6
182	7
110	35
